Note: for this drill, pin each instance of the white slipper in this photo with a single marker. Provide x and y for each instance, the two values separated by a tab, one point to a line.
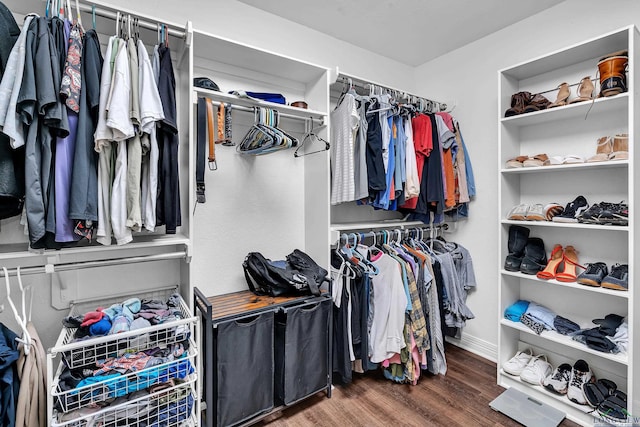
572	158
554	160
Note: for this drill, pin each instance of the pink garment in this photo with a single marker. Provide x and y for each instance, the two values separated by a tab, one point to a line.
130	362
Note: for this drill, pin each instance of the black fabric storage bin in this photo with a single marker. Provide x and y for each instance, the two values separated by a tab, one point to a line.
244	368
302	340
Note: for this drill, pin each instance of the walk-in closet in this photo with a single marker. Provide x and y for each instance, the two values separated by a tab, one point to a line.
297	213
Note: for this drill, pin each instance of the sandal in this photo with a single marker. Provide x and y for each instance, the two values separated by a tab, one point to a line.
585	90
614	408
537	160
516	162
535	213
570	261
603	150
563	95
571	159
554	160
555	259
552	209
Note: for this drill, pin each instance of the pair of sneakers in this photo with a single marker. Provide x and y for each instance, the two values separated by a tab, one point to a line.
531	369
569	380
565	379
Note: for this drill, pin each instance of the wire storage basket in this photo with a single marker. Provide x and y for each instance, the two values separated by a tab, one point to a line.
169	407
79	353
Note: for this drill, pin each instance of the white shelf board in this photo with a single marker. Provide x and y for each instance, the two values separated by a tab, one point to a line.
251	58
580	109
623	228
590	49
573	285
248	102
22	251
611	164
577	413
566	341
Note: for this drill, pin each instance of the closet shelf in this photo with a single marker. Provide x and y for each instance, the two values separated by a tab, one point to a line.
566	341
581	288
613	164
287	110
623	228
571	111
18	251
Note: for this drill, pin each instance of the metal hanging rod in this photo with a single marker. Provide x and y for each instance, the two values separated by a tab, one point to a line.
280	114
369	86
66	266
172	29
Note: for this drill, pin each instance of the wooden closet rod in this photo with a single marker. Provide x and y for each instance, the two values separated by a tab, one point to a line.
50	268
141	22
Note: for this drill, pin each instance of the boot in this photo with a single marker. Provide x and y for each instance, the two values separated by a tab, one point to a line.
535	257
613	78
538	102
517	242
518	103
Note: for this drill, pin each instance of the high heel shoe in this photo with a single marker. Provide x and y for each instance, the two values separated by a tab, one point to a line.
585	90
570	261
603	150
563	95
555	259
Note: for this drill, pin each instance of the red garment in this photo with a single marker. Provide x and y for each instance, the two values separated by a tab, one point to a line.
92	317
448	120
423	143
450	180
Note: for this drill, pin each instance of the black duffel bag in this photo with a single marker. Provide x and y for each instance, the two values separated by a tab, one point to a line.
297	275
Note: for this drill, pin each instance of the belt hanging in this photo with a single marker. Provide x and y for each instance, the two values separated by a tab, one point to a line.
201	149
224	125
213	165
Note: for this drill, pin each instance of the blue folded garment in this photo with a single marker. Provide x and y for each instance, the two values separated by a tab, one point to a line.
515	311
542	314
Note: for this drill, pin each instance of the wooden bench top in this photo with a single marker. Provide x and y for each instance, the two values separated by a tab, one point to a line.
241	302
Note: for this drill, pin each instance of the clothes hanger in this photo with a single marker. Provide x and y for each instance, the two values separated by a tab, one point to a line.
311	136
26	338
93	16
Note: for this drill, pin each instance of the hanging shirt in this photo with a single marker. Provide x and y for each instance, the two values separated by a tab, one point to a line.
423	144
375	163
134	146
83	197
150	112
412	187
168	201
385	128
103	138
119	120
389	302
360	153
344	126
383	199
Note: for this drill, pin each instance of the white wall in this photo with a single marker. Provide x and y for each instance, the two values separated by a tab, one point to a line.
469	75
245	24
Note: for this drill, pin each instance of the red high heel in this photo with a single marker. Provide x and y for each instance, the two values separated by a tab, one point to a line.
549	272
570	259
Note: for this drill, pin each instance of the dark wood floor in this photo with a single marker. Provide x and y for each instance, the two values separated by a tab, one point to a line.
461	398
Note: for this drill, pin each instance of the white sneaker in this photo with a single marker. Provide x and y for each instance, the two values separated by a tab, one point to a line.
580	375
537	370
559	380
517	363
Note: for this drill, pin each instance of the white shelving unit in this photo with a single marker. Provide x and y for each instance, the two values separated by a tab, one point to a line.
571	129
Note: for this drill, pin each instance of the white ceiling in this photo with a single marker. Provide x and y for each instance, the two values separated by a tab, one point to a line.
409	31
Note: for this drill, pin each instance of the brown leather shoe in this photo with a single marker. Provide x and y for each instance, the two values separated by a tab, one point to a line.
518	103
538	102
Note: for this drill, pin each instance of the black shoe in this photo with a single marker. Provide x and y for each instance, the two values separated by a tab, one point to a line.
535	257
606	214
517	241
573	210
594	274
618	279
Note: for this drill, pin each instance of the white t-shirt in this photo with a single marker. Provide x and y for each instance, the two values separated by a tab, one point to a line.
119	103
344	126
121	232
103	134
150	104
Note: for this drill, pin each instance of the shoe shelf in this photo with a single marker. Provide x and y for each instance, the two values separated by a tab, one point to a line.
611	164
573	285
578	413
608	105
566	341
570	225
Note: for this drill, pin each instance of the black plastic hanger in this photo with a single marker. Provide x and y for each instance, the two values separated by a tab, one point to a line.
311	136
